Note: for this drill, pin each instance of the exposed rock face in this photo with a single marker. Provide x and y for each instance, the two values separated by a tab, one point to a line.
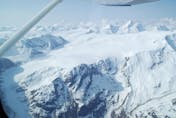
86	91
174	101
49	100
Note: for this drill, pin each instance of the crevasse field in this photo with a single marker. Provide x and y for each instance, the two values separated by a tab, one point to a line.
111	69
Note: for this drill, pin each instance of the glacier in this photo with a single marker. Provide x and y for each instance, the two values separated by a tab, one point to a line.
106	70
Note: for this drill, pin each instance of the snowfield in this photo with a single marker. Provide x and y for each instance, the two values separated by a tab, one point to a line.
111	70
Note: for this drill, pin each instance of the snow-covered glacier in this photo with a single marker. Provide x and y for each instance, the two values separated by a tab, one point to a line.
114	70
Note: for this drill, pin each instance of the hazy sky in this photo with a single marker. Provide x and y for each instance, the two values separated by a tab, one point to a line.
18	12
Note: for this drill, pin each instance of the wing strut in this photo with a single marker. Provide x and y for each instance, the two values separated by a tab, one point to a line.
9	43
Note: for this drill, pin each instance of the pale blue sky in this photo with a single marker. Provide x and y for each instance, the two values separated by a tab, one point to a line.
18	12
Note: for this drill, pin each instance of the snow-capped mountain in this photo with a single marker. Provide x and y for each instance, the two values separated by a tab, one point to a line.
113	70
34	47
131	27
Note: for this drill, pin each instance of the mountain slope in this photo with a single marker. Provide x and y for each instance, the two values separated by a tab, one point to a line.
96	75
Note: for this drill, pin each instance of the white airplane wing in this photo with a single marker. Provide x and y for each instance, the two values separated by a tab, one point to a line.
123	2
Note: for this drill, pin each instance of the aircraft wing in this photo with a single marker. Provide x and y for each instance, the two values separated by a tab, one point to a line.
124	2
